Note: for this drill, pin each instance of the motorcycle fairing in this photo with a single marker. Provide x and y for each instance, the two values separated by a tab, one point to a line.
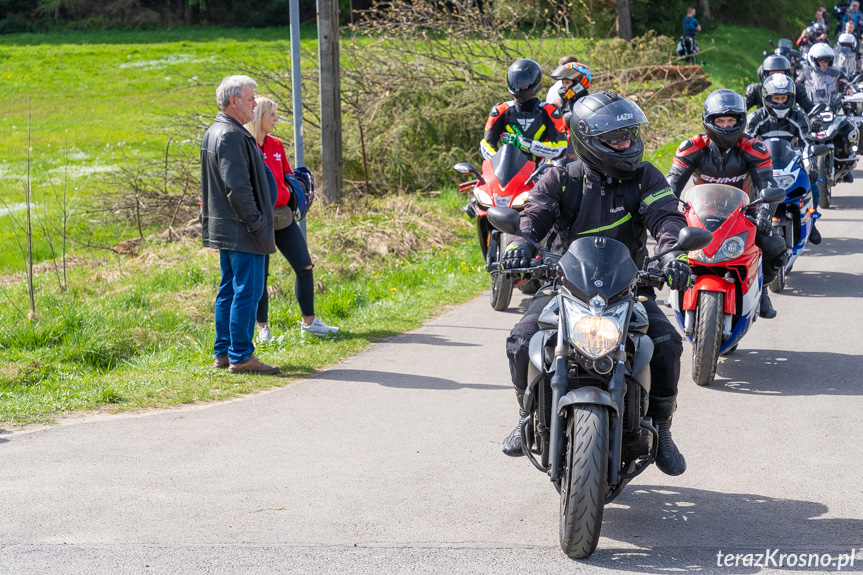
606	271
506	174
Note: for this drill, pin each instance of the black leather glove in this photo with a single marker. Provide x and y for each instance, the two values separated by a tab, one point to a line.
516	255
675	266
763	222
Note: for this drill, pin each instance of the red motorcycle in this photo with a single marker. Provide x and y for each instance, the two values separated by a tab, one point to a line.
721	306
505	182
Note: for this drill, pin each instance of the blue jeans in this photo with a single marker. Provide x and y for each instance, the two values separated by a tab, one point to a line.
239	292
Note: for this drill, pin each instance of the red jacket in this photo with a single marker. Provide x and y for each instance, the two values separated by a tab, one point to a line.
277	161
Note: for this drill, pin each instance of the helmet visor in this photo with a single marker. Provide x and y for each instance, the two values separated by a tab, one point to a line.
618	114
615	138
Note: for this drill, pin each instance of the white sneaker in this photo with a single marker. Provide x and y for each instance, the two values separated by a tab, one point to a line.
264	334
318	327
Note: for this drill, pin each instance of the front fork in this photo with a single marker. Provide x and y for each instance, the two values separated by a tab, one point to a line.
559	384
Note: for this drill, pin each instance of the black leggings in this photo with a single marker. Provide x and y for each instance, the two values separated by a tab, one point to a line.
292	244
667	342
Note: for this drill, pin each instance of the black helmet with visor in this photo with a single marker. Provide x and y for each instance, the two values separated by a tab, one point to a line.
724	103
600	127
774	63
524	79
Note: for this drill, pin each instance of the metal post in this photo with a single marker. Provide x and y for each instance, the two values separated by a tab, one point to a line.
331	105
297	91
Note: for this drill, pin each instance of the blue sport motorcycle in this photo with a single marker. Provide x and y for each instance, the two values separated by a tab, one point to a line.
795	215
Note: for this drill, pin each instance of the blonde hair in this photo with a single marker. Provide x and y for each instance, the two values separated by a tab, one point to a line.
264	107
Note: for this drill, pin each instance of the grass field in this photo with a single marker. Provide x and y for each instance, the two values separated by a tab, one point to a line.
138	332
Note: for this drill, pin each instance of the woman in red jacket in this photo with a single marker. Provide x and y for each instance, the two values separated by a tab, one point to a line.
290	240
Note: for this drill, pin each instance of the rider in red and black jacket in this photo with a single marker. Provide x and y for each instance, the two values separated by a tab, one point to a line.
536	127
723	155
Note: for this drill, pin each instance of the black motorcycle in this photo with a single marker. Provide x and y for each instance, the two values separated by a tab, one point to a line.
786	47
589	376
835	128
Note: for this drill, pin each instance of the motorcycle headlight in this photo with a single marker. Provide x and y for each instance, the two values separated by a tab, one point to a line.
520	200
731	248
784	181
482	198
595	335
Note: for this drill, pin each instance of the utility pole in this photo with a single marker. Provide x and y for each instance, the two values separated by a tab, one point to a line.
297	91
331	104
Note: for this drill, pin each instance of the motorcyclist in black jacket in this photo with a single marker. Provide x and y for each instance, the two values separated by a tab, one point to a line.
774	64
780	118
723	155
525	122
622	198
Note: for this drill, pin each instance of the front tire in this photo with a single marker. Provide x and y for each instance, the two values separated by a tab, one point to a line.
708	337
584	484
778	283
530	287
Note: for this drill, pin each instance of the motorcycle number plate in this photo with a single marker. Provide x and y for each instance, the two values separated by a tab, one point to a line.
501	201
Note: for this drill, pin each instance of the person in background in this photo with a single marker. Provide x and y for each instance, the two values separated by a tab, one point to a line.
819	16
553	92
289	240
236	219
690	28
535	127
574	80
853	15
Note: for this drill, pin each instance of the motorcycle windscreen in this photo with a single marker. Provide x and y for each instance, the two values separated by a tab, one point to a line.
781	152
507	163
598	265
713	203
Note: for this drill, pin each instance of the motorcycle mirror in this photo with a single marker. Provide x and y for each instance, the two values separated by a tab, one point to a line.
819	150
774	45
817	109
691	239
465	168
771	195
504	219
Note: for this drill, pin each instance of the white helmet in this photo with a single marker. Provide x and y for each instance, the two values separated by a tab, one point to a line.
847	40
820	51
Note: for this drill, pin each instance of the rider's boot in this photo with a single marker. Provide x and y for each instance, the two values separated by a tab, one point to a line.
814	236
669	460
512	444
765	308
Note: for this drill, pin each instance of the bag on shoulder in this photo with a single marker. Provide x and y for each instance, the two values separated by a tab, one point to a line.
283	216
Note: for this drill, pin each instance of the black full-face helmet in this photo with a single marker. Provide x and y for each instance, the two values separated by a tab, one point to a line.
599	124
774	63
773	89
524	79
719	104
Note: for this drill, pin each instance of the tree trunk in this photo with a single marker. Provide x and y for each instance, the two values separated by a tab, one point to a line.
331	102
705	8
624	20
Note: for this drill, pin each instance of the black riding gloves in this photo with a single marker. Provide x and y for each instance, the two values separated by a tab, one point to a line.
516	255
763	222
675	266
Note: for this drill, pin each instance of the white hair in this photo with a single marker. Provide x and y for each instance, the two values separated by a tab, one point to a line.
232	86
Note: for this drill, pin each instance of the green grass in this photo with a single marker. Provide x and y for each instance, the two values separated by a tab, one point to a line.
139	333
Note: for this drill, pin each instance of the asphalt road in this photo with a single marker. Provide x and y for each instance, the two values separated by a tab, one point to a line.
390	461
